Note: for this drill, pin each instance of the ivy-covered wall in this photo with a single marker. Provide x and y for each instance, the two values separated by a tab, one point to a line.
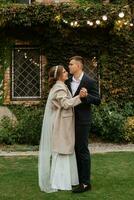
63	31
55	30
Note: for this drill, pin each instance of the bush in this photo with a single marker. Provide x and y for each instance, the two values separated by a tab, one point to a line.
7	131
129	129
108	122
28	128
128	109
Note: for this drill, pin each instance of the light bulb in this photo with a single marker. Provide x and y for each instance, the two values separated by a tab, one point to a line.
104	17
65	21
97	22
71	23
75	23
121	14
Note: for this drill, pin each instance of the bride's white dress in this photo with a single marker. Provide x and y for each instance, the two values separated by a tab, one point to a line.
55	171
63	172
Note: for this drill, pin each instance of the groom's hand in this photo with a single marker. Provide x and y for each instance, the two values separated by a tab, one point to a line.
83	92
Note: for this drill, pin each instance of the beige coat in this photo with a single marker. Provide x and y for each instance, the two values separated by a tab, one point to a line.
63	136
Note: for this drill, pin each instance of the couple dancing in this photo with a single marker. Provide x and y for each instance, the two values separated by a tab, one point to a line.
64	158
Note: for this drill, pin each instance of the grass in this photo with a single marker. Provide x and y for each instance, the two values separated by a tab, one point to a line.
112	179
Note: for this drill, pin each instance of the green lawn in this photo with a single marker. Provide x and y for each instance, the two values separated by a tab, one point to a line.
112	179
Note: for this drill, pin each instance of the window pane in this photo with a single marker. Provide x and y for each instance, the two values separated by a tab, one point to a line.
26	73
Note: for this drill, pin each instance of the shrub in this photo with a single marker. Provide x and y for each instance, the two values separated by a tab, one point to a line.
108	122
128	109
113	126
28	128
7	131
129	129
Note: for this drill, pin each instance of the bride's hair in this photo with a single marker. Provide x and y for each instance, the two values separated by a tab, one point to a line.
54	74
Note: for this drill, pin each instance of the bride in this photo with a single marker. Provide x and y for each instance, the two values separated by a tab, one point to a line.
57	167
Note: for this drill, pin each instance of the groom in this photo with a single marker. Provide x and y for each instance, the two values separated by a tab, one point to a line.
82	119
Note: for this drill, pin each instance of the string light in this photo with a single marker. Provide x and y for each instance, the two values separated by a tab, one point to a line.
65	21
75	23
119	22
98	22
90	23
31	60
104	17
71	23
121	14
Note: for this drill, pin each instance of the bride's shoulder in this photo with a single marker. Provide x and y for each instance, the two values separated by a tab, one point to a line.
59	85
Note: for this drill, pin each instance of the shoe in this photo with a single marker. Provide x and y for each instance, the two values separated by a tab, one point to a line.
81	188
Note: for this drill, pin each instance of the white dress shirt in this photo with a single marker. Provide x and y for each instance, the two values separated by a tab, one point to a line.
75	83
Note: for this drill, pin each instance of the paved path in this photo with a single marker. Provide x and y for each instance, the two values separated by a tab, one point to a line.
109	147
94	148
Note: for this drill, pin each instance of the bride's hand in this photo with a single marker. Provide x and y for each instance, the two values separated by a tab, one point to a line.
83	92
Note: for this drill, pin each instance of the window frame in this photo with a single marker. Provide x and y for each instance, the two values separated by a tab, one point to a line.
23	98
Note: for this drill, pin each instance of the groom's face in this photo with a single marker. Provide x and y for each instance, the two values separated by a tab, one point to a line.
74	66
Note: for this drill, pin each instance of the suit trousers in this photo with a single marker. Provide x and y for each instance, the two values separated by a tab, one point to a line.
82	152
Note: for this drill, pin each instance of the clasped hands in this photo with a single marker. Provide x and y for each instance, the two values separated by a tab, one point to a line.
83	92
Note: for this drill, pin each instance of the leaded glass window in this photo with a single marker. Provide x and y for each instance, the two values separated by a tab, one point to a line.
26	73
92	69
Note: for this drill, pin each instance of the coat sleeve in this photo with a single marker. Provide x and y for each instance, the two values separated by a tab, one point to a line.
61	99
93	96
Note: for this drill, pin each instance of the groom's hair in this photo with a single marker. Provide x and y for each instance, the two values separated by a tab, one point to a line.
78	58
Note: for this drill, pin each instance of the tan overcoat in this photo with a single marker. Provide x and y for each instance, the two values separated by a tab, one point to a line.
63	134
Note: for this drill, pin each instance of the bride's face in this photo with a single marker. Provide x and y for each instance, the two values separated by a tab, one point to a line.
64	75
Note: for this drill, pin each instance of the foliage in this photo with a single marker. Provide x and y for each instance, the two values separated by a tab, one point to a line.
108	123
101	1
44	26
26	131
6	1
128	109
7	134
33	15
129	129
112	45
